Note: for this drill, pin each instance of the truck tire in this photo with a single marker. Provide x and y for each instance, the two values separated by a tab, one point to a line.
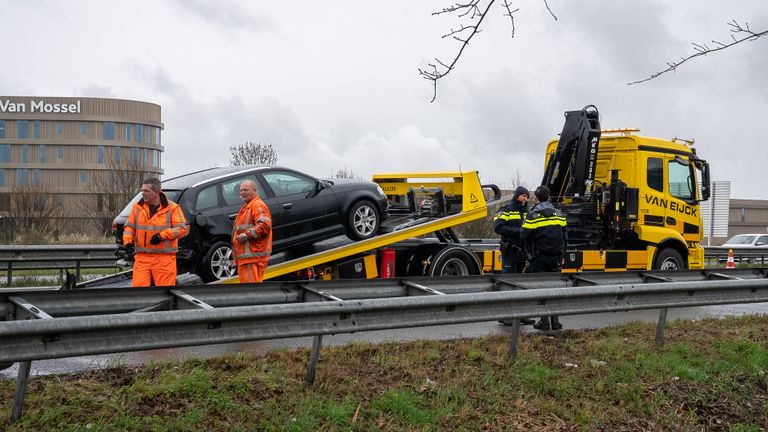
215	263
668	259
363	220
453	262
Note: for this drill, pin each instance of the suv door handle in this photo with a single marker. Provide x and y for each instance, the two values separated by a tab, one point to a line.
287	205
671	220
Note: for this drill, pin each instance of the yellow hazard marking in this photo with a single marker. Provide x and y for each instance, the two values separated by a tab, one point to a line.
472	198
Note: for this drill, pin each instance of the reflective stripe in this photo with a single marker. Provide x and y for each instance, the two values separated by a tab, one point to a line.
508	216
168	249
249	254
151	227
542	222
254	234
243	227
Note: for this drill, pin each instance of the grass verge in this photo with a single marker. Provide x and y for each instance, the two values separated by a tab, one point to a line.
711	375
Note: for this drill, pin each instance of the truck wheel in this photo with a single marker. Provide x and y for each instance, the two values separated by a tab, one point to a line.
363	221
215	265
453	262
669	259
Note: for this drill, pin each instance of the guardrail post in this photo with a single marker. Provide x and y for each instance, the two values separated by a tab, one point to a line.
513	340
10	274
77	274
660	327
314	356
21	389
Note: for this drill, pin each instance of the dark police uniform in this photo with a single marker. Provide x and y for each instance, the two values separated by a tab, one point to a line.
544	236
507	223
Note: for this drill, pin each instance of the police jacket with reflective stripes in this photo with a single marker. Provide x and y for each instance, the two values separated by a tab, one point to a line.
168	220
255	220
544	231
508	221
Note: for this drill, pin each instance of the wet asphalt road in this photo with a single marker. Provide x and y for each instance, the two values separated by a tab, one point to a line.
446	332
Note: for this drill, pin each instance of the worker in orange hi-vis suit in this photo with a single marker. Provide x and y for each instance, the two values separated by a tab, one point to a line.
153	230
252	235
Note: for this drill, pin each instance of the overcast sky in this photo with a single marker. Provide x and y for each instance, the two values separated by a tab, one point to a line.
335	84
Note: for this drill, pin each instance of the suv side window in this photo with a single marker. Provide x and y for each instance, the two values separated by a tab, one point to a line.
762	241
207	197
230	189
285	183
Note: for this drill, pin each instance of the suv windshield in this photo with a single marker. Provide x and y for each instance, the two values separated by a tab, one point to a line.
171	194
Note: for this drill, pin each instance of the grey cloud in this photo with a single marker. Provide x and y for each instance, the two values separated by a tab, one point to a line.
227	15
96	90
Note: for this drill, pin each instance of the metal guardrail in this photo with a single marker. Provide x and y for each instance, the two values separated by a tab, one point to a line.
54	324
55	257
753	255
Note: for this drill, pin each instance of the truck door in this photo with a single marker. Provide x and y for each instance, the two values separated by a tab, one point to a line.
682	210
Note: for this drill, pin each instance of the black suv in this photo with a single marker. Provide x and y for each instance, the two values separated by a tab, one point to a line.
304	210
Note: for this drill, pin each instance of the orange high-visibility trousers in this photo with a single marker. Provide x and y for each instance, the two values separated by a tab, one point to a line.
251	272
160	268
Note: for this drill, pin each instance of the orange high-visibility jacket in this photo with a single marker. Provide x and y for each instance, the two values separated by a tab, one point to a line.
255	220
168	221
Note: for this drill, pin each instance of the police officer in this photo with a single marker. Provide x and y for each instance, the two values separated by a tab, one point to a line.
507	223
544	237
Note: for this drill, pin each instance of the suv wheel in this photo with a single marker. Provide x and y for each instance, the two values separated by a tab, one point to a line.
363	221
215	264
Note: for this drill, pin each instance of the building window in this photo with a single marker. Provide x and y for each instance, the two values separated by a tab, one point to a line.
42	153
36	177
155	158
127	132
5	153
2	178
59	128
135	156
100	153
83	177
59	200
36	129
109	131
59	153
2	128
83	128
22	129
145	157
118	153
21	177
139	133
25	153
157	135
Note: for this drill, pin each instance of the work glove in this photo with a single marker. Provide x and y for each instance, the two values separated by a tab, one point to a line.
155	240
129	249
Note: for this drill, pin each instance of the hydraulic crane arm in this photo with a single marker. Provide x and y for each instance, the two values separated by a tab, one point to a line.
571	167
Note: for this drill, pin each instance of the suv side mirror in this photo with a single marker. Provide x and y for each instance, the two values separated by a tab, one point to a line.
201	220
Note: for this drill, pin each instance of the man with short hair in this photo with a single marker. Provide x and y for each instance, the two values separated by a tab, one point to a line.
545	238
153	230
252	235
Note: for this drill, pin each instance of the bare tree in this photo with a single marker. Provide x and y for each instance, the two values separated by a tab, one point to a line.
471	15
345	173
34	210
739	33
253	154
112	189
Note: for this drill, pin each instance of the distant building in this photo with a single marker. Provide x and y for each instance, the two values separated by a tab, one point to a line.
75	153
747	217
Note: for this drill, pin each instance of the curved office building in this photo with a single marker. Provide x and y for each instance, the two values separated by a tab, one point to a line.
77	156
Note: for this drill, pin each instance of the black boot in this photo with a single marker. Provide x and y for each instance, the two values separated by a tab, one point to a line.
543	324
556	323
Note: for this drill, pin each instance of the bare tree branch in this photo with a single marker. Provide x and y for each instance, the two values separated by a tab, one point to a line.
744	33
253	154
475	11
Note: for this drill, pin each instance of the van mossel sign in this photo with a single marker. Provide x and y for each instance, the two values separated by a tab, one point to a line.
39	106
